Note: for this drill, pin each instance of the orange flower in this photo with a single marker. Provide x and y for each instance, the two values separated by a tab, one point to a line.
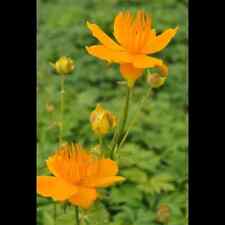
77	174
136	39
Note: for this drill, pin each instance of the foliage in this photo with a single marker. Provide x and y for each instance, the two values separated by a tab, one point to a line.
154	160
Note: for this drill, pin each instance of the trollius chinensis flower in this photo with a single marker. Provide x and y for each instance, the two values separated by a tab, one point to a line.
76	176
135	41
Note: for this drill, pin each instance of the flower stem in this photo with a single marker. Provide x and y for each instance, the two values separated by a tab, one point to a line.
125	115
120	133
54	213
61	109
100	141
137	113
77	215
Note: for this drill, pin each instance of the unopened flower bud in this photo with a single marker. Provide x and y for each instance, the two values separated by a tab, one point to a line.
164	71
64	65
155	80
102	120
50	108
163	214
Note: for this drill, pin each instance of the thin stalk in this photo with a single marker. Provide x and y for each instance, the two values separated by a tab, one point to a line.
77	216
61	125
125	115
54	213
101	144
137	113
100	141
122	126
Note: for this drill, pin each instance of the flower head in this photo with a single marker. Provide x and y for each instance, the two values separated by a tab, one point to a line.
77	174
64	65
102	120
135	41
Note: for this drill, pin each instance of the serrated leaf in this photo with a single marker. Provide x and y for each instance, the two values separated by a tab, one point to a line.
135	175
127	193
47	218
132	155
158	184
144	217
96	215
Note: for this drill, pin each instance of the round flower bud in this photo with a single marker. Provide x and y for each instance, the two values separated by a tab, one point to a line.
102	120
155	80
64	65
163	214
50	107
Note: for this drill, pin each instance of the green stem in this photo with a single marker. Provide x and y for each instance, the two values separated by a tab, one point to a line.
100	141
77	215
138	110
64	207
120	133
100	138
61	109
125	115
55	213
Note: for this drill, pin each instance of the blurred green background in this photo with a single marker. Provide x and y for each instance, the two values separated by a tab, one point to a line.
154	158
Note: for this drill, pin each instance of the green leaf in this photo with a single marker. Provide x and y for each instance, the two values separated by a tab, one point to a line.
43	202
96	215
132	155
158	184
127	193
144	217
135	175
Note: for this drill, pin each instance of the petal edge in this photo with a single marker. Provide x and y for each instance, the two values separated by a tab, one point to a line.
59	190
98	33
160	41
144	61
104	53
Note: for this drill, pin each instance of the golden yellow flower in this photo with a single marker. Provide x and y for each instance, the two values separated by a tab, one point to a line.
102	120
64	65
77	174
136	40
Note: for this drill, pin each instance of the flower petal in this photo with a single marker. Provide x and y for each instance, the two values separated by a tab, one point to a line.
102	52
105	181
103	37
107	167
160	41
102	174
143	61
129	72
69	163
54	187
102	168
84	198
122	20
